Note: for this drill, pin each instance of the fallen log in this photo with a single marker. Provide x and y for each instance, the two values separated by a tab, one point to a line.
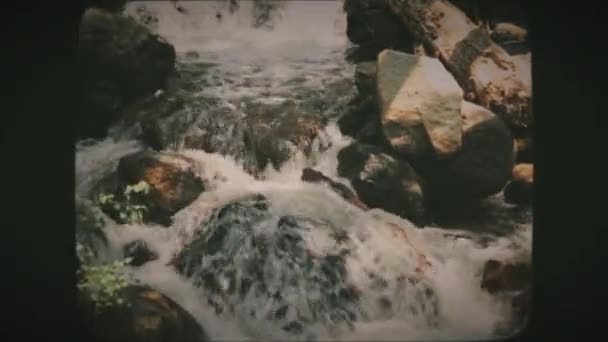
488	75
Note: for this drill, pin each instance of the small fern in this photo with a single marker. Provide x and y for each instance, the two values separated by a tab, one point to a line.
126	208
102	284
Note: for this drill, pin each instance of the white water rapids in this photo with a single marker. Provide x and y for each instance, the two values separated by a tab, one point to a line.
308	42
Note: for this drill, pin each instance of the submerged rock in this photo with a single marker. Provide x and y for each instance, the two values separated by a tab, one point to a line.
384	181
150	316
253	262
171	180
314	176
119	60
420	105
139	252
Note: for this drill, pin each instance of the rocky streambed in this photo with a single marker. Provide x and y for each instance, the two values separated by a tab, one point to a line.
272	182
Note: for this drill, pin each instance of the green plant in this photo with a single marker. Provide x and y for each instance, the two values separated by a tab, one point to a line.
102	283
126	208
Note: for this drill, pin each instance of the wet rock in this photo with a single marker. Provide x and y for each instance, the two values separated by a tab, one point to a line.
314	176
279	131
150	317
118	61
384	181
420	105
519	189
361	110
373	27
139	252
172	181
480	169
244	255
499	276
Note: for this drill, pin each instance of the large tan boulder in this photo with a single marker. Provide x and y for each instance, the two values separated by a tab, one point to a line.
420	104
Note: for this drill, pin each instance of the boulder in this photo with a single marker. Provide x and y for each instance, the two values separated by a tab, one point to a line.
139	252
171	178
119	60
245	253
420	105
273	265
150	317
483	165
384	181
519	189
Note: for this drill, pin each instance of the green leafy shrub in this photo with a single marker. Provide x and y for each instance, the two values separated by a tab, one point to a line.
102	283
126	207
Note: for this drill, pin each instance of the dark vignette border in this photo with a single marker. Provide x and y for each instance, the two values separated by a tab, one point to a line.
37	170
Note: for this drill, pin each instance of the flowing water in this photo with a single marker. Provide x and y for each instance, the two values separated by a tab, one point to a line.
395	300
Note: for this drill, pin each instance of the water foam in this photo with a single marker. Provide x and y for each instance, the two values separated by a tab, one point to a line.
301	46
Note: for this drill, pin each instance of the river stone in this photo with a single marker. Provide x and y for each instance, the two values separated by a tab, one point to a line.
172	180
291	271
384	181
243	256
150	316
481	168
420	104
119	60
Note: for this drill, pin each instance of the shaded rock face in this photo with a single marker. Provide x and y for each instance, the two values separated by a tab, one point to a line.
373	27
171	178
520	189
139	252
119	60
384	181
258	264
483	165
420	105
150	317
